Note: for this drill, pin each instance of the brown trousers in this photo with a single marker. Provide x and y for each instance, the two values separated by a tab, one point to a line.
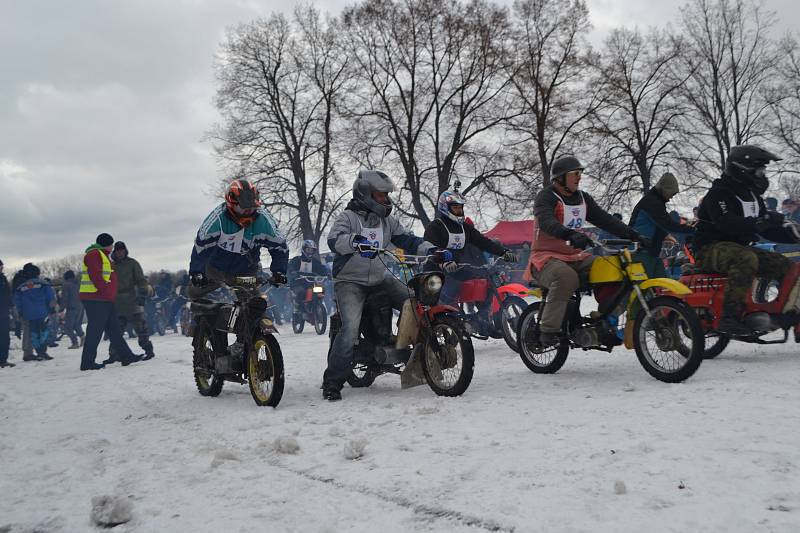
561	280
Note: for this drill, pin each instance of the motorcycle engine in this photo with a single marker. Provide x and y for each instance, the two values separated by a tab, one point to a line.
586	337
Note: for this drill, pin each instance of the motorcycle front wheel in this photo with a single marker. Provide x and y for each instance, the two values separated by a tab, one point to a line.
208	383
298	322
320	317
265	370
161	324
510	313
669	342
448	359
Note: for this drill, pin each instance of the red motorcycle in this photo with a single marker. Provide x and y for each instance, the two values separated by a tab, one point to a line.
763	315
312	309
505	302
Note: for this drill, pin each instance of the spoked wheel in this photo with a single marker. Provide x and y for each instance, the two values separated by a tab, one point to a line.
186	322
208	383
361	376
320	317
715	345
448	359
298	322
265	370
538	359
510	312
669	343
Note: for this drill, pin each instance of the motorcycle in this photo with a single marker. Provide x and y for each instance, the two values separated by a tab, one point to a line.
255	358
431	344
312	309
664	331
505	301
763	308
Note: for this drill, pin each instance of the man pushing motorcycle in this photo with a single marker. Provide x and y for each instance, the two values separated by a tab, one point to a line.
732	216
558	260
366	224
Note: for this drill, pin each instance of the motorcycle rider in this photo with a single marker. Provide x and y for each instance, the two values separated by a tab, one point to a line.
358	272
732	215
229	242
304	264
558	261
450	230
650	218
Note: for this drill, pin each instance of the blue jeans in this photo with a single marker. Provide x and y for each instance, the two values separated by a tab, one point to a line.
350	298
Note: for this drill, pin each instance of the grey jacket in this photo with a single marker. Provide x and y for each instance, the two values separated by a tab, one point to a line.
69	295
349	265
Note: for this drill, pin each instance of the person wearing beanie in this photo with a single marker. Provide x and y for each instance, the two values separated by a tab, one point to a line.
98	289
650	218
5	323
34	300
132	289
73	310
21	330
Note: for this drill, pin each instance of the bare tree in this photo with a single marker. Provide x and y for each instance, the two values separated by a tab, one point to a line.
640	111
785	104
552	102
431	104
279	82
730	60
54	268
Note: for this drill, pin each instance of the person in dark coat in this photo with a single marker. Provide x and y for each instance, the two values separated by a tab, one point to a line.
5	321
304	264
73	310
98	289
650	218
23	330
132	289
34	299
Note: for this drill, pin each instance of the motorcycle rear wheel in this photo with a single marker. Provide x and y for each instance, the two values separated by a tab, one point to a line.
161	324
265	370
540	361
449	370
361	376
208	383
669	346
716	346
510	313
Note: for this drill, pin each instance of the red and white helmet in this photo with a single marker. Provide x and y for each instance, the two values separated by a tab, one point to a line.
242	201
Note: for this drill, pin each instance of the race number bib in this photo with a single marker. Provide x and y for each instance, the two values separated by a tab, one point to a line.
373	235
456	241
574	216
749	209
305	267
231	242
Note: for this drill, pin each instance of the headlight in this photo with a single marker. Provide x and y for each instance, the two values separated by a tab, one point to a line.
433	284
317	289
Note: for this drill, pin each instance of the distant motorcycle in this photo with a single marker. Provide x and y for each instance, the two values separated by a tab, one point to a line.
255	358
312	309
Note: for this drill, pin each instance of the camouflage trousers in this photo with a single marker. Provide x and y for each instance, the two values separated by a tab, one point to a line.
140	327
741	264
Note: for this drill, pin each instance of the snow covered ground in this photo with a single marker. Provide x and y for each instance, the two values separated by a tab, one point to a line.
600	446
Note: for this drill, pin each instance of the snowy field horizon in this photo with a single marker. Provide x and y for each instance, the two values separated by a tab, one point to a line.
600	446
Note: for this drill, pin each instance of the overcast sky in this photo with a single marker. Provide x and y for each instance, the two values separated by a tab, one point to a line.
104	106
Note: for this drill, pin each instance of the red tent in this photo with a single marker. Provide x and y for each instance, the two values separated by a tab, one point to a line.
512	233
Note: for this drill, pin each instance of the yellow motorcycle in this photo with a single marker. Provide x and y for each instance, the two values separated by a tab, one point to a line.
641	313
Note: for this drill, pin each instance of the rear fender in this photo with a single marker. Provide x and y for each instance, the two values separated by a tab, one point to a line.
517	289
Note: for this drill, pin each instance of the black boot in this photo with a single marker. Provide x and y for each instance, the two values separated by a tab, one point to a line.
332	394
730	323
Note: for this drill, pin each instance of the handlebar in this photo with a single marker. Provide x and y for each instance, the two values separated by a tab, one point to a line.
315	279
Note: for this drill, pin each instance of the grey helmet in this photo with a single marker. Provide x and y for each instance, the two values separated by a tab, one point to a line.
369	181
563	165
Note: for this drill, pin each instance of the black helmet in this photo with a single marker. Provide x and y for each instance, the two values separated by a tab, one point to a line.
746	163
565	164
367	182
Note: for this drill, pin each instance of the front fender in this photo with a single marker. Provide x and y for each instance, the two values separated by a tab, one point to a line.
441	309
669	285
267	326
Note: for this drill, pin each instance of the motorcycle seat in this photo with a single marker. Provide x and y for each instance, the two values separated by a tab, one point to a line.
203	306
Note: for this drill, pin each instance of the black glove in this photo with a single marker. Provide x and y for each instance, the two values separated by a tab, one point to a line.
198	279
509	257
450	266
278	278
644	242
579	240
770	219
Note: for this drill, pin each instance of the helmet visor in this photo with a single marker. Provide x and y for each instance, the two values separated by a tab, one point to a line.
244	211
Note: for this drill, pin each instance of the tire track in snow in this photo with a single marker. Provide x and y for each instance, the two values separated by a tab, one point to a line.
428	511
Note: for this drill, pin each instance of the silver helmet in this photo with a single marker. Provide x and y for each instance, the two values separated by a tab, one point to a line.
369	181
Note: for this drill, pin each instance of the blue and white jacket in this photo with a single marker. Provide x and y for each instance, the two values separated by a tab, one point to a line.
34	299
235	250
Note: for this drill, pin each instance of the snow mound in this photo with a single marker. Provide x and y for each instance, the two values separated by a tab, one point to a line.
110	511
354	449
620	488
222	456
286	445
